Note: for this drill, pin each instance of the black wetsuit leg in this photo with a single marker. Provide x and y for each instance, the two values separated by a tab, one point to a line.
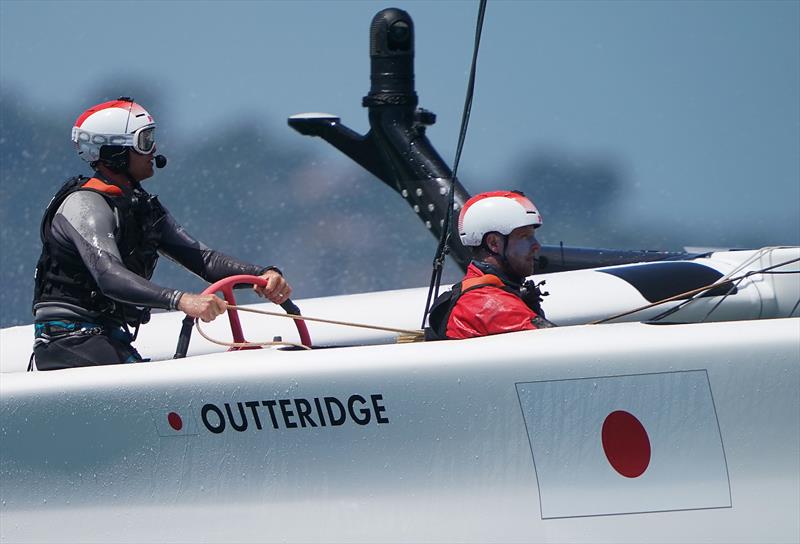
83	350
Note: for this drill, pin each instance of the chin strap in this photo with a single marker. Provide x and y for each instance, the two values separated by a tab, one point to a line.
118	163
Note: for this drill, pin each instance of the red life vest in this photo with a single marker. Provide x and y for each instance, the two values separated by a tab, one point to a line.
480	305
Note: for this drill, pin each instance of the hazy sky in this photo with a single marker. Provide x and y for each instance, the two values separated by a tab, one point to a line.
700	101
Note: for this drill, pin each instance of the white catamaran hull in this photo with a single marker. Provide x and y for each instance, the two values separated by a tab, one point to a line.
626	432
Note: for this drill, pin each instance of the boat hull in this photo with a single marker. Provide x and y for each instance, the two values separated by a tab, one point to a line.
440	442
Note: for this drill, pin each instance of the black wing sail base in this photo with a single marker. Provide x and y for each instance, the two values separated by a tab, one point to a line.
397	151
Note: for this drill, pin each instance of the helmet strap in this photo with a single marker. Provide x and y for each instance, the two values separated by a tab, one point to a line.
119	163
115	158
118	168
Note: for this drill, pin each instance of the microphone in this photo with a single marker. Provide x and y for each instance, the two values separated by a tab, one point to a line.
161	161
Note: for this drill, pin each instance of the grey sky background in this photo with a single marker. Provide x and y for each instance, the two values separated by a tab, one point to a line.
698	101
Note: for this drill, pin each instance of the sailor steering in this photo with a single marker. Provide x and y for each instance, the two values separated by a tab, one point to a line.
101	238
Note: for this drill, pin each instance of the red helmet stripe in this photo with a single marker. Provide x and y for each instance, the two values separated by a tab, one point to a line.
523	200
105	105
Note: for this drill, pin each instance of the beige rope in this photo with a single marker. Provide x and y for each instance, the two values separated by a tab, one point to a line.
669	299
405	335
411	335
245	344
416	332
692	292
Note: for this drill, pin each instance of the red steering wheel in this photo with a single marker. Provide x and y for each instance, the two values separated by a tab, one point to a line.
226	286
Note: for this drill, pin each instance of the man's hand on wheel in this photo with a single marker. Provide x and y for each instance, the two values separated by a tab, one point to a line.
206	307
277	289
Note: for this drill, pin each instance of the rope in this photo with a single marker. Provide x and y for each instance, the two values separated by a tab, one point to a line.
330	321
795	307
699	290
245	344
763	252
406	335
462	135
411	335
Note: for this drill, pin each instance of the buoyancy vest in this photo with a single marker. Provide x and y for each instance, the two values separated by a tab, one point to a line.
442	308
443	305
61	274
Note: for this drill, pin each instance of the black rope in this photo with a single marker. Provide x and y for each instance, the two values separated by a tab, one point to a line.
795	307
669	311
443	248
734	287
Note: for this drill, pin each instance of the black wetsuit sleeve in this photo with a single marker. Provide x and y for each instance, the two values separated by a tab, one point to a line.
209	264
87	223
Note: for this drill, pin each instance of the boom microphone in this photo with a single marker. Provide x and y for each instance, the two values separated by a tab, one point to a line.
161	161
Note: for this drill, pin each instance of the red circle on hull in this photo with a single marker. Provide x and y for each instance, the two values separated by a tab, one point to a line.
175	421
626	444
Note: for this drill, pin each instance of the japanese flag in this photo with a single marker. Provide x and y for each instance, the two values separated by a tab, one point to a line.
174	421
625	444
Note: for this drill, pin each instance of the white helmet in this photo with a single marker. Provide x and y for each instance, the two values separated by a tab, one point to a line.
495	211
120	122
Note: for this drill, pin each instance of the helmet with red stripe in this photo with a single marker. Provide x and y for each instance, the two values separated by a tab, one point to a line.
495	211
104	131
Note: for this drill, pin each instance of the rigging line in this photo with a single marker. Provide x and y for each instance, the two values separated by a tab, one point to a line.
763	252
796	304
693	292
757	255
442	248
727	294
245	344
734	287
669	311
721	281
470	91
321	320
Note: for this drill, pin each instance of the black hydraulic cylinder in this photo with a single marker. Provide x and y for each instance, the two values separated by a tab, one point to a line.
396	149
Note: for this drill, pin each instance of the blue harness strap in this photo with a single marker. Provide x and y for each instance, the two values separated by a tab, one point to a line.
58	328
